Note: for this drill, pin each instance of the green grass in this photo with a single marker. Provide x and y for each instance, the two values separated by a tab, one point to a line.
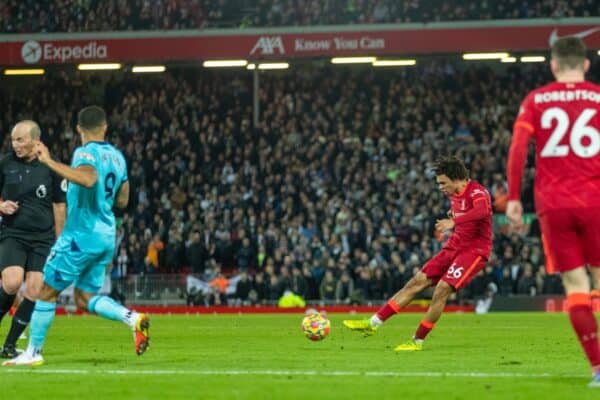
238	357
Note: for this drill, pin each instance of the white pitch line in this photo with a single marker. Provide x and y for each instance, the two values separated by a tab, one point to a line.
372	374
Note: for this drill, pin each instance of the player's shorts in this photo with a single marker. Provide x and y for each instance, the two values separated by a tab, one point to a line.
69	263
455	267
31	255
571	237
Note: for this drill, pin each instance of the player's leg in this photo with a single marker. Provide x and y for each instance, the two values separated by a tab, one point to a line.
89	283
33	285
13	257
579	303
595	272
431	273
108	308
12	278
589	223
572	246
464	267
442	292
402	298
60	271
34	280
41	320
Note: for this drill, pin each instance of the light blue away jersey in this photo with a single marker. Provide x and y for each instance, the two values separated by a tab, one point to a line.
90	219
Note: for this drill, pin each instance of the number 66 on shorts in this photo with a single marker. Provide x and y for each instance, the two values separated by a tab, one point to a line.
455	267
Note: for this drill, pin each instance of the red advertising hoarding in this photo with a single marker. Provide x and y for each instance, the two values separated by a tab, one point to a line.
38	49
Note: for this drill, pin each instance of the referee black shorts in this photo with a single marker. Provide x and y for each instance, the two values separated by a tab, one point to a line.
31	255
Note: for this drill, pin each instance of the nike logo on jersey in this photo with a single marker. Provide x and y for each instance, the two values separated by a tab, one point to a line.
554	35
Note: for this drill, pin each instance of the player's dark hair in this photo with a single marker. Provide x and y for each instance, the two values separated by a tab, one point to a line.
452	167
569	52
91	118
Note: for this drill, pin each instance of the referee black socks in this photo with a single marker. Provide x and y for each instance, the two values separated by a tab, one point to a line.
20	321
6	302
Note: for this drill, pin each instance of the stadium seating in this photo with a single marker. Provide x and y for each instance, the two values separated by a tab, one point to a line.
22	16
336	177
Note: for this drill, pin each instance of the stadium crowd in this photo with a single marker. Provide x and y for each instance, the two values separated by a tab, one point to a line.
331	196
24	16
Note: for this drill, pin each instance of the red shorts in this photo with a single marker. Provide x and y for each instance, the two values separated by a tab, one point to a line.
571	237
456	268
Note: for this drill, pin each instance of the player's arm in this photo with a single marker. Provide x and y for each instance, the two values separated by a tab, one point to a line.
517	157
83	175
59	199
60	214
122	196
480	210
523	130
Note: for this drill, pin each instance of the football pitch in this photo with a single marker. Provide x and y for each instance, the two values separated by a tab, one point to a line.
467	356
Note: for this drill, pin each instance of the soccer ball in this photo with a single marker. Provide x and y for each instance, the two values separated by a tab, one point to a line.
315	327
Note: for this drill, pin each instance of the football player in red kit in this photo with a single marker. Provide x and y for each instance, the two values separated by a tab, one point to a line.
563	119
461	258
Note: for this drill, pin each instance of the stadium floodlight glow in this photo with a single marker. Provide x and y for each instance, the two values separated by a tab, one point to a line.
224	63
484	56
31	71
281	65
394	63
530	59
251	66
353	60
508	59
148	68
98	67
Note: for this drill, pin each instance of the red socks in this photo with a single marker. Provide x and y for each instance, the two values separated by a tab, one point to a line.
424	328
390	308
585	326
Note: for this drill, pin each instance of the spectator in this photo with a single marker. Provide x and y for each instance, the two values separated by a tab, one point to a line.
327	288
219	287
153	254
242	289
527	284
344	289
298	283
245	256
78	16
261	288
174	252
195	253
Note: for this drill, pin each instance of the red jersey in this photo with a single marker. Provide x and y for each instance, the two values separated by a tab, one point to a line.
564	120
472	219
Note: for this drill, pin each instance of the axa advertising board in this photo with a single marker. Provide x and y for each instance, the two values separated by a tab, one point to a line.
103	47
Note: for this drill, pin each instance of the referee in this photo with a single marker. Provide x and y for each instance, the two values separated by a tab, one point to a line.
33	214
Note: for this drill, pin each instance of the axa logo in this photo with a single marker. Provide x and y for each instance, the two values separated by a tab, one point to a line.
554	35
269	45
33	52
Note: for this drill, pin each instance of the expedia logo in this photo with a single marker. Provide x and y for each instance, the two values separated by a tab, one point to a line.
33	52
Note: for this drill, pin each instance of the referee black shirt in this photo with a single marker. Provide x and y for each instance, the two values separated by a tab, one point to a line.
35	187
